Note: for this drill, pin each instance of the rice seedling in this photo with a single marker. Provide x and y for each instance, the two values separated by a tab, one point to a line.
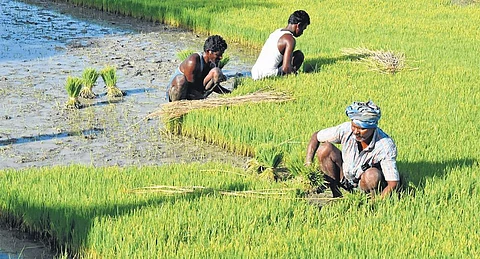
89	76
73	87
267	159
109	77
184	54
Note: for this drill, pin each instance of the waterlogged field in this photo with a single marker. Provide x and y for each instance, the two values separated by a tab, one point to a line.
430	108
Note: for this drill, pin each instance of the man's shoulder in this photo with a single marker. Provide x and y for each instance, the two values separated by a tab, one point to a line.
384	140
383	135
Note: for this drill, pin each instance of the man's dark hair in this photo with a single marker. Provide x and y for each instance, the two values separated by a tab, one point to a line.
215	43
299	16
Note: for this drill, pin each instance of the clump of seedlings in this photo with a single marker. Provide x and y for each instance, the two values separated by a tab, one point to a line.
266	162
309	175
89	76
387	62
73	87
184	54
109	76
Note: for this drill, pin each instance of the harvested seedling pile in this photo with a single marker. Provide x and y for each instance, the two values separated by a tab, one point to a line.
73	87
387	62
89	76
177	109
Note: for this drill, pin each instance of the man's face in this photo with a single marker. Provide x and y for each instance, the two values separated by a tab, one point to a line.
361	134
300	28
215	57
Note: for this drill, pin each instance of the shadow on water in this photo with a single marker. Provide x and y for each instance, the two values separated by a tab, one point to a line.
134	91
88	133
127	92
77	221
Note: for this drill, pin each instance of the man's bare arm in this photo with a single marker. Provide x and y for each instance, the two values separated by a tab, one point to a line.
312	148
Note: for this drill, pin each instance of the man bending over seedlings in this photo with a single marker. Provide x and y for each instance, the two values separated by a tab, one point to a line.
277	56
199	75
368	156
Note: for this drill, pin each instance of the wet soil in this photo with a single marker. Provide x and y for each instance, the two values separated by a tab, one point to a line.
60	41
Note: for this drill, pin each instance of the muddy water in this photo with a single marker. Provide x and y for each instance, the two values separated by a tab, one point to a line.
41	44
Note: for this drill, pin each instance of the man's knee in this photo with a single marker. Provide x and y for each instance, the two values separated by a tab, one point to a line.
178	89
370	179
298	58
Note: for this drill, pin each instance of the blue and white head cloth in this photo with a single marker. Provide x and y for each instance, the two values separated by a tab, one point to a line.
364	114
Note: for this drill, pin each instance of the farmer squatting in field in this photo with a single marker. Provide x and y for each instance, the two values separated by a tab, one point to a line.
368	156
277	56
199	75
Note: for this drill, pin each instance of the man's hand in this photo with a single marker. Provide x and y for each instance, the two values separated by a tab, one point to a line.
391	185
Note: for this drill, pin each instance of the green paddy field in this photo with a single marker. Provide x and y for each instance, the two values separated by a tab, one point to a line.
429	107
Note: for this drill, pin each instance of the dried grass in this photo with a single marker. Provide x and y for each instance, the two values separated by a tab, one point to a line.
387	62
177	109
282	193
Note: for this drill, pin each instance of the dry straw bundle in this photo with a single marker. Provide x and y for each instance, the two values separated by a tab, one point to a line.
177	109
387	62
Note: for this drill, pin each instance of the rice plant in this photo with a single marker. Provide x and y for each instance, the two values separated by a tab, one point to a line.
267	159
109	77
90	209
89	76
73	87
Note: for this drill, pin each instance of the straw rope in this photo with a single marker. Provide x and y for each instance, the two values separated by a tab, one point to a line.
177	109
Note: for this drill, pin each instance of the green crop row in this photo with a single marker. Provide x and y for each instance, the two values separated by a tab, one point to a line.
212	210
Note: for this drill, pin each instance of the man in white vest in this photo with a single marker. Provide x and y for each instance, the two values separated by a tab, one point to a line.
278	56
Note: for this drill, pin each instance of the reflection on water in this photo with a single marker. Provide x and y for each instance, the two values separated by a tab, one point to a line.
29	32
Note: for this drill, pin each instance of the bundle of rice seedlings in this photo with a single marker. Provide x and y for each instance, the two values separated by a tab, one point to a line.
184	54
109	77
267	159
174	110
73	87
89	76
387	62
